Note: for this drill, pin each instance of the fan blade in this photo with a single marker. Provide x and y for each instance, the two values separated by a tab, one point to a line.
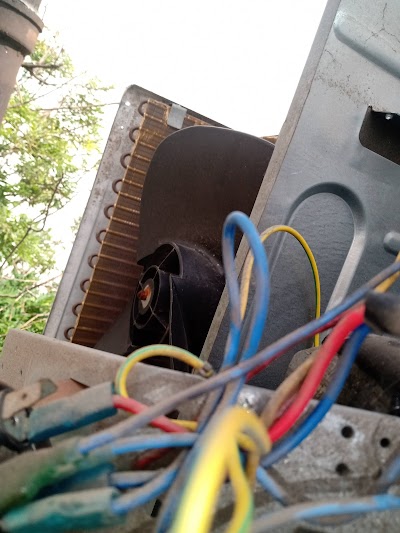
177	331
197	176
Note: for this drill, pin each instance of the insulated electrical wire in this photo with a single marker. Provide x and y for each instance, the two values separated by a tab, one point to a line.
133	499
390	475
201	491
324	357
248	267
388	282
163	350
260	308
141	443
260	305
166	424
162	422
130	480
251	342
269	484
347	359
245	368
286	391
216	445
316	510
244	506
261	297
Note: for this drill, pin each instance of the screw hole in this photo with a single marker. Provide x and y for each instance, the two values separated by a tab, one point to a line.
385	442
342	469
24	396
347	432
68	332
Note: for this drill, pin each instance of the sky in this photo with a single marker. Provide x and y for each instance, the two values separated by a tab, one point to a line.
237	62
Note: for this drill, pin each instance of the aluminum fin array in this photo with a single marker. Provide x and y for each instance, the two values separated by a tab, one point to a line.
115	270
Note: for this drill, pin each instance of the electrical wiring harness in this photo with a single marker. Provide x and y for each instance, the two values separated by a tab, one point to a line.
226	443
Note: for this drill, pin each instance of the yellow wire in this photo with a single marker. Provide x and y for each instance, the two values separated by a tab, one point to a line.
243	509
248	267
243	440
191	425
163	350
385	285
216	459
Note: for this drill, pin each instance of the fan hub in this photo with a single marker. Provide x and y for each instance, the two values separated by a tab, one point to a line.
145	296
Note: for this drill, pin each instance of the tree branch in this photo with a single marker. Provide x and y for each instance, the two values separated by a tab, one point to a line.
18	296
31	228
36	97
41	80
81	107
33	319
6	259
47	210
31	66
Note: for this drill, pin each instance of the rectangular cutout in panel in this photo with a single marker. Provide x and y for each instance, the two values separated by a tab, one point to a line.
380	133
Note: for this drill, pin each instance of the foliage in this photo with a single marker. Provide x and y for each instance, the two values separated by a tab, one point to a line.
49	139
25	304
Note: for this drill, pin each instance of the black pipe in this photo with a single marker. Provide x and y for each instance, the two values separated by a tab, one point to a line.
20	26
383	312
379	357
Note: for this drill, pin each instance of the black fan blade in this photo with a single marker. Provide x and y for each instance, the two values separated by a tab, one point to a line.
197	176
177	331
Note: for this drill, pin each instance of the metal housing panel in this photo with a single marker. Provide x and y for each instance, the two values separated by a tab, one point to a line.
343	197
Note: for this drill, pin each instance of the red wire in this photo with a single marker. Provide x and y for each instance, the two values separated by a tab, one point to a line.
135	407
262	367
326	353
148	458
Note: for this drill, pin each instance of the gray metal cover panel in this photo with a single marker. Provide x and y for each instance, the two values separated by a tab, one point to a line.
341	196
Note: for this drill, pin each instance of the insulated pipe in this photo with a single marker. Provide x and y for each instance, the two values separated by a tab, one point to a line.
379	356
20	26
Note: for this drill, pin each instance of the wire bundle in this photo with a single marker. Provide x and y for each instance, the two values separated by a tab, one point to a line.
225	442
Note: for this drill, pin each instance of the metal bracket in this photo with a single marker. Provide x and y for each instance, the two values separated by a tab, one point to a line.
176	116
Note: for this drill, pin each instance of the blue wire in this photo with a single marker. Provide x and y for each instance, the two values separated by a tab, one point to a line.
156	486
262	294
310	423
242	369
153	442
261	300
136	498
259	316
390	475
269	484
130	480
313	511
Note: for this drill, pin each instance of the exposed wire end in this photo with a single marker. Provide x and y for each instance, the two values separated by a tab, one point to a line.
24	476
62	512
206	371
